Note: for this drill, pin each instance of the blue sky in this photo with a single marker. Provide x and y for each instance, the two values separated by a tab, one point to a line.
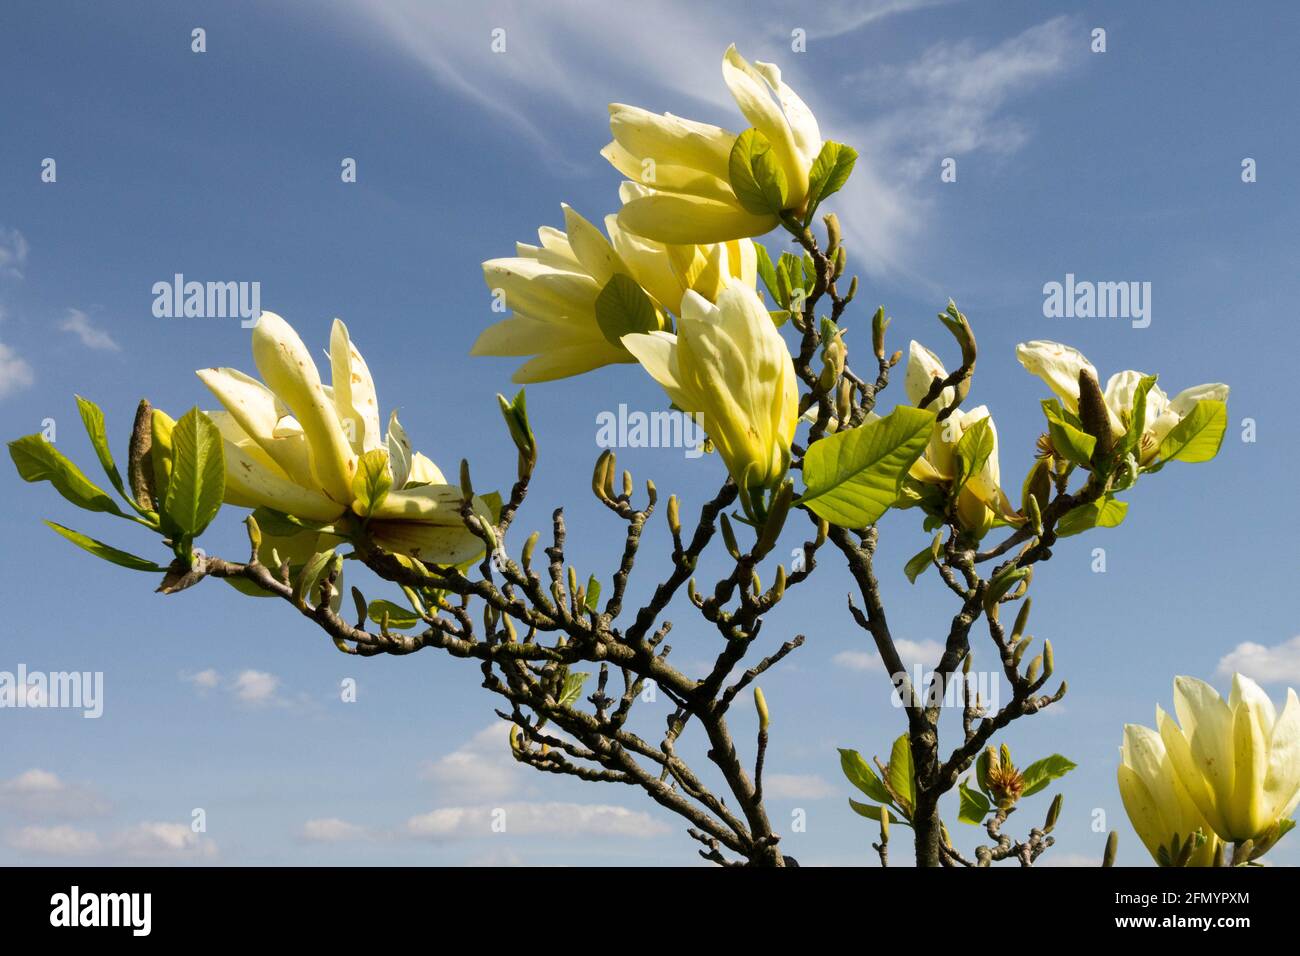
1115	166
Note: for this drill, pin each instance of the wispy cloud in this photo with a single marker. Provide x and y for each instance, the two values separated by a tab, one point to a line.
480	769
792	786
913	654
15	373
561	61
145	842
13	253
91	335
1278	664
40	794
332	830
535	819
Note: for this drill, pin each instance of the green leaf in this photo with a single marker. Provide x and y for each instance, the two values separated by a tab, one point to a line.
280	525
1071	442
830	171
1002	584
398	616
756	177
1106	512
767	272
982	770
372	481
974	448
623	308
38	460
1132	437
862	776
902	779
311	574
572	687
198	479
873	812
853	476
593	592
93	418
974	805
1042	772
1198	436
108	553
918	563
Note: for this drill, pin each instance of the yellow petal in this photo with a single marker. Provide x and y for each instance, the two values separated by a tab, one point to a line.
288	369
687	220
353	391
250	484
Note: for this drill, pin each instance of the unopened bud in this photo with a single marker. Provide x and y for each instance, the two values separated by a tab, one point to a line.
1094	414
729	537
760	704
674	517
832	230
529	545
1112	845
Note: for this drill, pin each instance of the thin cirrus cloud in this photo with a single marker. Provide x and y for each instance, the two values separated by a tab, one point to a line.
912	653
87	332
15	373
13	252
559	63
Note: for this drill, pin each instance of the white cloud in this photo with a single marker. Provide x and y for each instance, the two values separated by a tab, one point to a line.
40	794
536	819
792	786
1279	664
331	830
91	336
924	654
480	769
15	373
255	687
203	680
162	841
55	841
168	842
13	252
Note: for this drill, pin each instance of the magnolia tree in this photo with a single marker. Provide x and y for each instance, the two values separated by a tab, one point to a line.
809	454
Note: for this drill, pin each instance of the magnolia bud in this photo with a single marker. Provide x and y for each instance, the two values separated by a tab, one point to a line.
760	704
674	518
729	537
1112	845
1094	414
832	230
529	545
139	458
878	326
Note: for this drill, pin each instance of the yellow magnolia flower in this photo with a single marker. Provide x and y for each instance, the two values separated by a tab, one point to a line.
1239	760
1157	804
293	444
1059	366
981	501
686	163
552	289
729	364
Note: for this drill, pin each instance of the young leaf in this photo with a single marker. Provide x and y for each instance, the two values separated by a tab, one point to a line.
1198	436
974	805
862	776
372	481
198	479
1071	442
918	563
1107	512
902	779
101	550
974	448
310	576
756	178
622	307
38	460
830	171
873	812
767	272
593	592
1042	772
398	616
93	418
572	687
1132	438
853	476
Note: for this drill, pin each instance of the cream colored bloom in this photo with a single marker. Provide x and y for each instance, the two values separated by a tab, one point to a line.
1059	366
552	290
981	501
1157	804
686	163
293	444
1239	759
729	364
